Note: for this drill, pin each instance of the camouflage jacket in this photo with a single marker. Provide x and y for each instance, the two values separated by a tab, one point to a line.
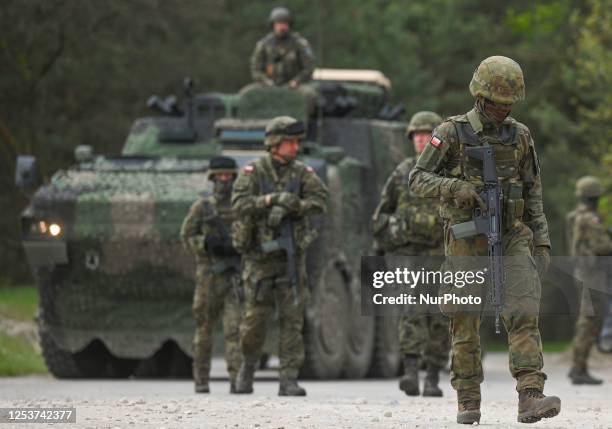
403	222
208	216
251	228
277	61
586	234
444	161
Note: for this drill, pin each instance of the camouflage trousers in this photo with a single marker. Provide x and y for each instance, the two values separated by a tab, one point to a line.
519	315
214	298
423	329
425	335
261	296
588	326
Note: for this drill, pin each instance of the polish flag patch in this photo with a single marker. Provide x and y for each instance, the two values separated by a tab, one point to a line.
309	169
248	169
435	142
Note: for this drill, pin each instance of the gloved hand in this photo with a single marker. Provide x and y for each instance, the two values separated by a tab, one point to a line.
541	254
288	200
276	215
464	194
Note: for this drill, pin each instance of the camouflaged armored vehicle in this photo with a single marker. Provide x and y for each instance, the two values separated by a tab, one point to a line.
102	237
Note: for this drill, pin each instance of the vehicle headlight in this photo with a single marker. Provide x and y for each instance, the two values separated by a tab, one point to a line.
47	229
55	230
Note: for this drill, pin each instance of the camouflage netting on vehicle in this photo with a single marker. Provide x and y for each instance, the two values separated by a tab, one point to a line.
107	204
130	282
268	102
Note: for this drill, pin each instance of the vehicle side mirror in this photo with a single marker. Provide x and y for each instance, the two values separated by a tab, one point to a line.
27	176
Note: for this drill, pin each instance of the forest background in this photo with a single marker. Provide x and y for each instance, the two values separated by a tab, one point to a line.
78	72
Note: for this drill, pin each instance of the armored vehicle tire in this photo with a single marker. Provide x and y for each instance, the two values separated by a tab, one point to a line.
386	359
90	362
360	341
325	330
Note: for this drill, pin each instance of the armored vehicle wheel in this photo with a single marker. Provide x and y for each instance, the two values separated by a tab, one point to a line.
360	341
386	359
325	330
88	363
61	363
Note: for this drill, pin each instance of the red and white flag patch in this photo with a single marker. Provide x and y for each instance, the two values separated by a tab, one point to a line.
309	169
248	169
435	142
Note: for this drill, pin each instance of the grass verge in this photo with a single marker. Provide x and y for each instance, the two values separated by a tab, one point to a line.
17	356
18	303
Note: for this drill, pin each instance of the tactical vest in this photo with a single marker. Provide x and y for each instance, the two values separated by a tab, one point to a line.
507	161
282	59
422	216
249	235
216	218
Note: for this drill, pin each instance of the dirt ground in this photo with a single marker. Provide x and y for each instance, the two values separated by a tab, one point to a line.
336	403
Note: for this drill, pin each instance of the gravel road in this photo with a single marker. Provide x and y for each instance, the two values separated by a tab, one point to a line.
337	403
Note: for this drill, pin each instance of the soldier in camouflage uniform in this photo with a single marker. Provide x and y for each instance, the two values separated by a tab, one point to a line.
443	170
587	238
282	57
274	189
410	226
206	233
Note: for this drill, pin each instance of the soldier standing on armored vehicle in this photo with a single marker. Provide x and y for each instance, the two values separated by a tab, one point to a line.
283	56
587	238
444	170
206	233
274	200
410	226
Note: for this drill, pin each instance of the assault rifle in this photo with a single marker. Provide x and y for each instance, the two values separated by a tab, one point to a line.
285	242
488	221
230	261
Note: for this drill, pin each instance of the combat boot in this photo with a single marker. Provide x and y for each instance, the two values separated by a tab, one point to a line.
534	406
290	387
468	412
409	383
202	387
430	388
583	377
244	381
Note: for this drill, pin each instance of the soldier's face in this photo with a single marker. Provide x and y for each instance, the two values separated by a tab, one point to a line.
286	151
224	177
420	139
281	28
497	111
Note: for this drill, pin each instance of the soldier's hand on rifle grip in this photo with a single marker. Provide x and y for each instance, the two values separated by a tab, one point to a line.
276	215
464	194
288	200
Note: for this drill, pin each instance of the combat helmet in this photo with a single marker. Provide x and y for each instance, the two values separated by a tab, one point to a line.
423	121
281	128
589	187
499	79
280	14
222	164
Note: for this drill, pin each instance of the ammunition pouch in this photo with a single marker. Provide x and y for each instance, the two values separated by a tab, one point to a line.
242	235
514	204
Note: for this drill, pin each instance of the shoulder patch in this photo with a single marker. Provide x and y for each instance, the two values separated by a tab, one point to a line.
436	141
248	169
309	169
